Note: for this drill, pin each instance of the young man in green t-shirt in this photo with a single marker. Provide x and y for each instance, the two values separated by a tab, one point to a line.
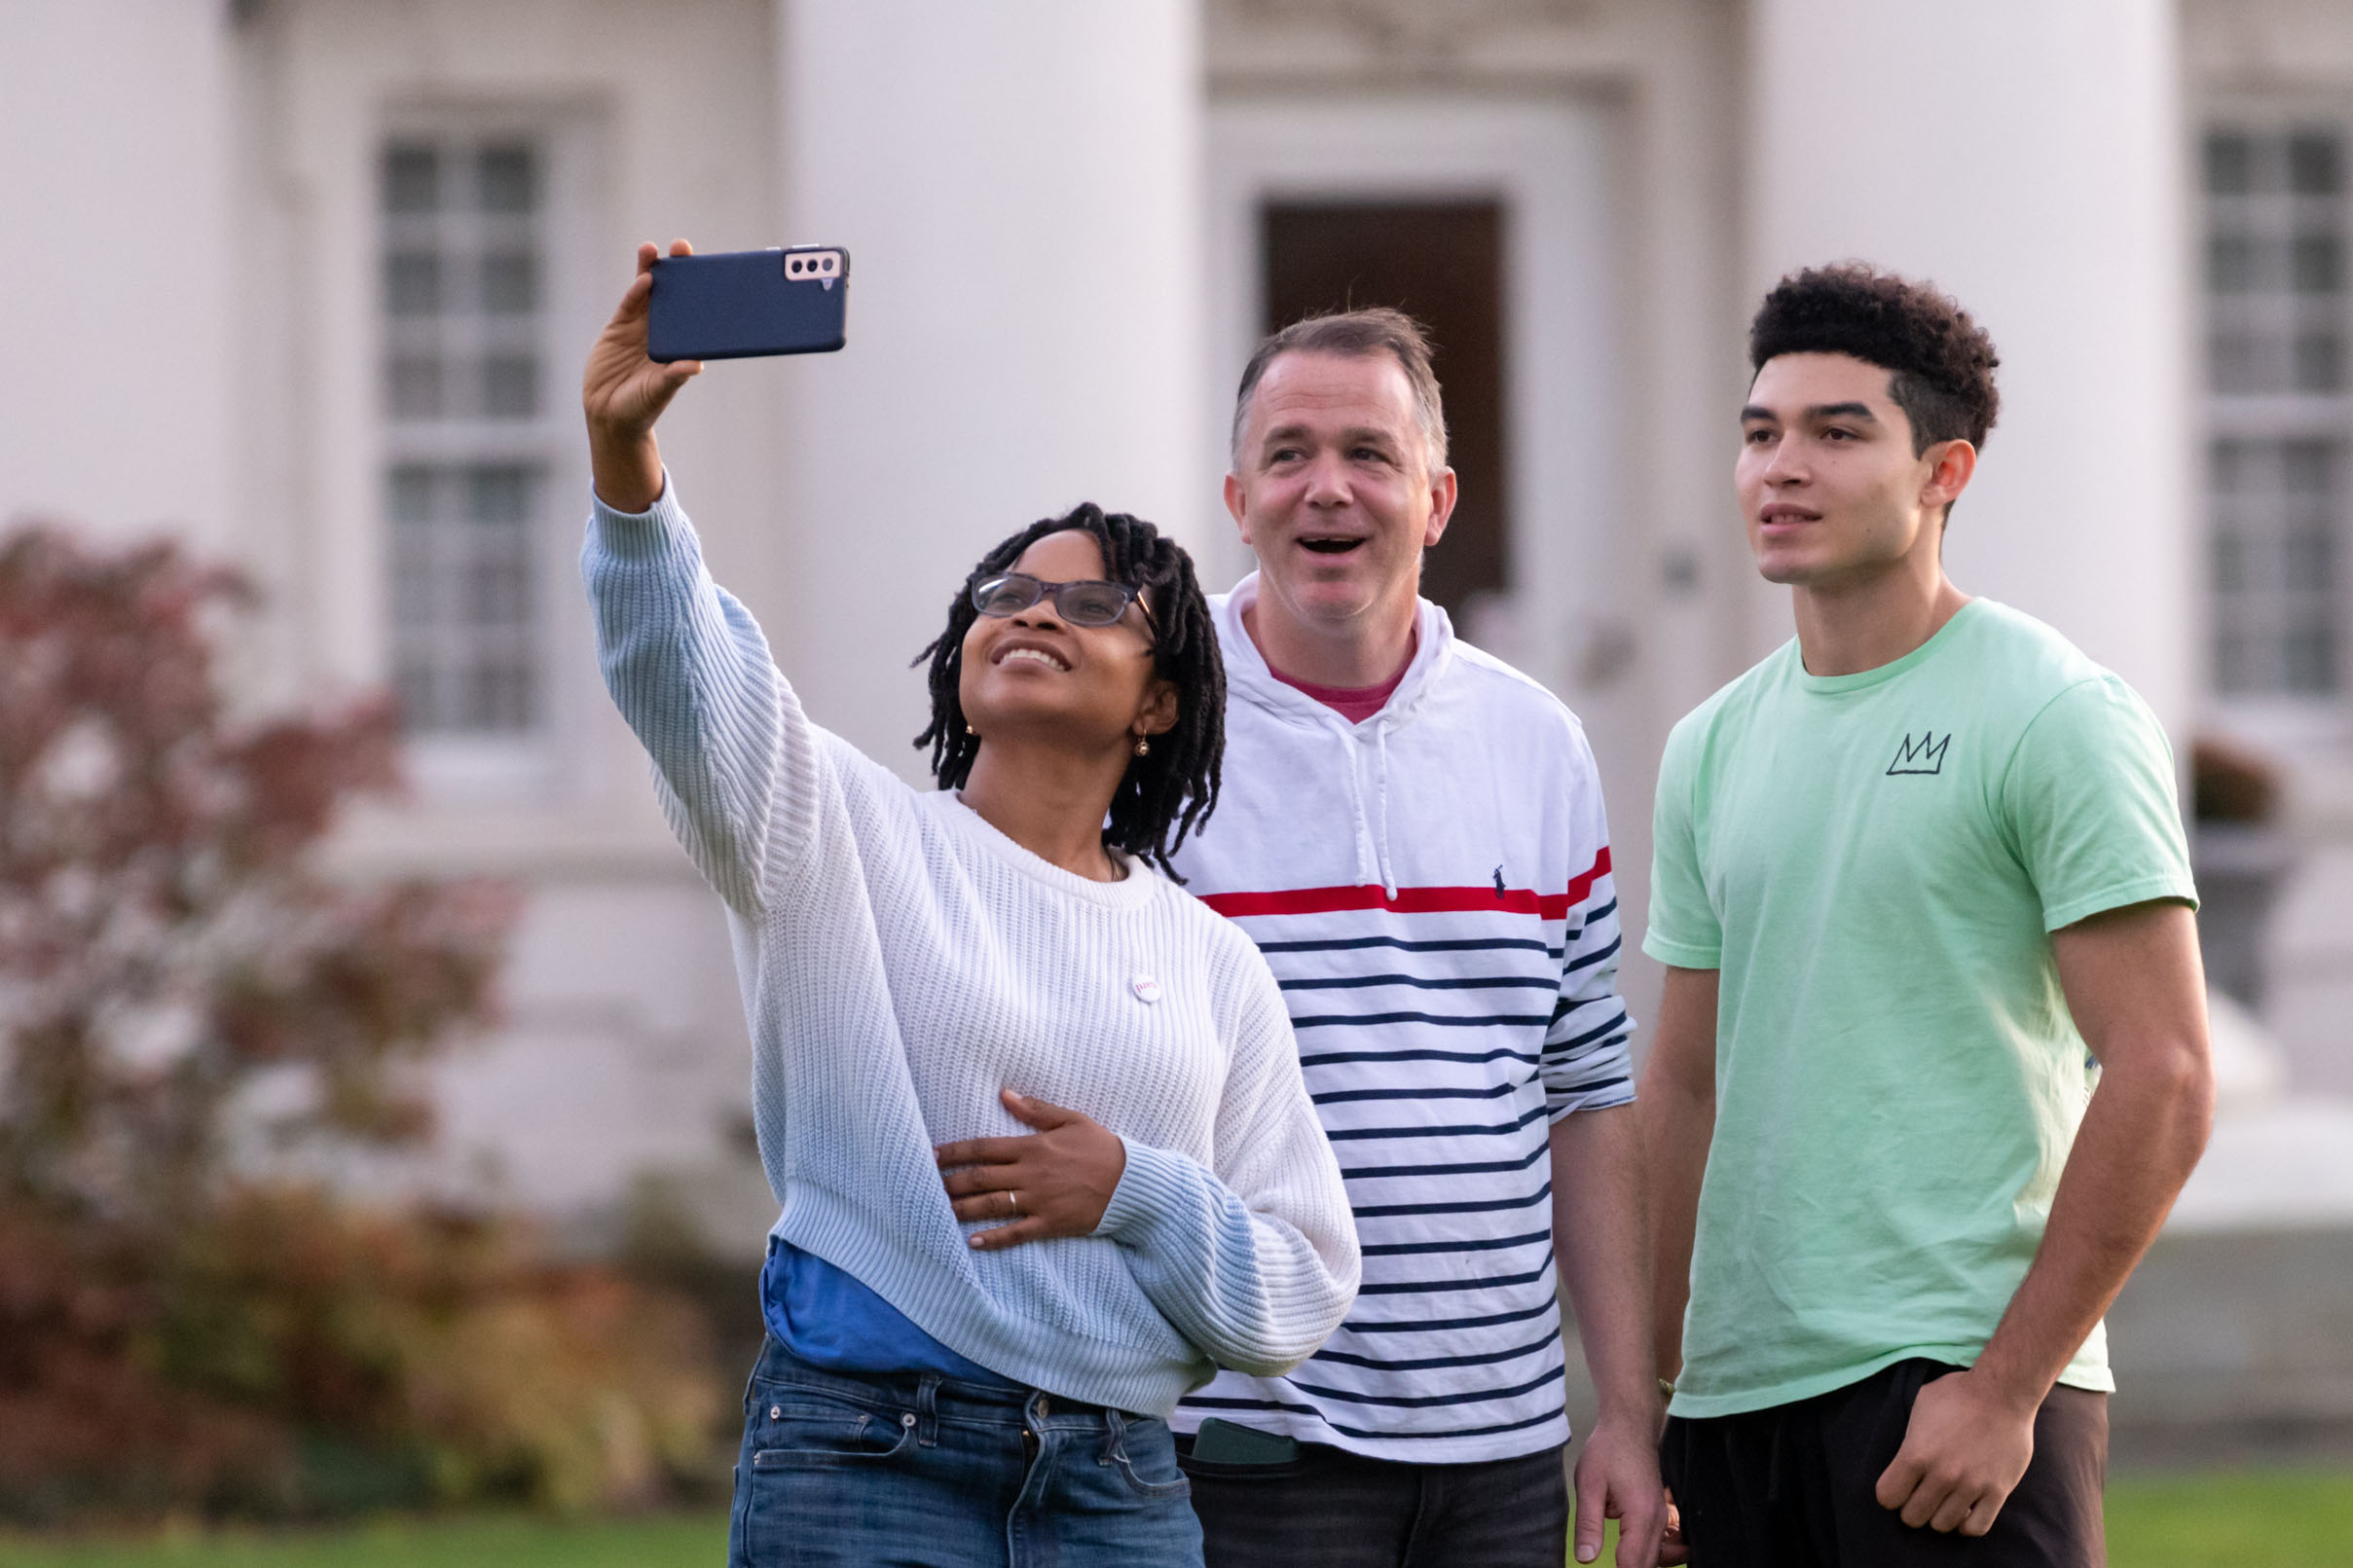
1931	1060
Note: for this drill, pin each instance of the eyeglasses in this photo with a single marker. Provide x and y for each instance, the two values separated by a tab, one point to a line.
1081	603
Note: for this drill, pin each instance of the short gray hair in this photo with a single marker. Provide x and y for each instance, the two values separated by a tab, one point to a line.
1356	335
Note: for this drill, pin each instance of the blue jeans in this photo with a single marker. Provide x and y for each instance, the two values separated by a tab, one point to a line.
841	1471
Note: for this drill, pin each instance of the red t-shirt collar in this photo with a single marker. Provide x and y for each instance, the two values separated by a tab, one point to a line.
1356	704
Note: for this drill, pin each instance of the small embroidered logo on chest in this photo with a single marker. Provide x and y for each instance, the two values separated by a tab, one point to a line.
1923	756
1146	988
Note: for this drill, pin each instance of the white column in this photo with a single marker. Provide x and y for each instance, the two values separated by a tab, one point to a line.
2026	157
1017	185
116	276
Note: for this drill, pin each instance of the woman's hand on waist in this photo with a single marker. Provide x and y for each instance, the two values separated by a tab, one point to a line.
1054	1182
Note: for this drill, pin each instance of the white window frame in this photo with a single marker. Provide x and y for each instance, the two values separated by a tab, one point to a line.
529	763
2286	720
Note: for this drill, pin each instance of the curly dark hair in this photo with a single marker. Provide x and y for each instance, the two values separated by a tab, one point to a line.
1176	784
1941	360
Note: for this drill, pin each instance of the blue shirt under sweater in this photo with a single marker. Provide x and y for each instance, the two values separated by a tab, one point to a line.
827	1317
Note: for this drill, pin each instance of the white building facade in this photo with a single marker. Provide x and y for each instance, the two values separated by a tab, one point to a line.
311	280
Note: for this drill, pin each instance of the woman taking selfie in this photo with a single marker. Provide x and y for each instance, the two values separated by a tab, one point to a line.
990	981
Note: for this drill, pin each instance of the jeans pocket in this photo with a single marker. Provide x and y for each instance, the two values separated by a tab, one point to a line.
830	1478
1146	1459
800	1429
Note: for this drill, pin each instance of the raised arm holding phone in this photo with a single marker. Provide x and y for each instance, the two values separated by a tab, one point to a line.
954	980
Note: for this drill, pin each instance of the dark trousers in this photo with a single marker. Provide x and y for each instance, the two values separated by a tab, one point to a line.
1331	1509
1791	1486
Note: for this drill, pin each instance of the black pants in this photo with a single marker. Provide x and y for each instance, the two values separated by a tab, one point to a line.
1791	1486
1331	1509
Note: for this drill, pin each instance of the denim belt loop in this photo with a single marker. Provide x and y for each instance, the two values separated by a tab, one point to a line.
1115	1438
927	1410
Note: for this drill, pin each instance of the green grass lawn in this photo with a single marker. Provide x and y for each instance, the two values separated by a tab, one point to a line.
2221	1519
495	1540
2265	1519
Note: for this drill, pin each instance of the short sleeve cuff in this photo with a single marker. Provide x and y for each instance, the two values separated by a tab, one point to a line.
1605	1100
2147	890
1683	955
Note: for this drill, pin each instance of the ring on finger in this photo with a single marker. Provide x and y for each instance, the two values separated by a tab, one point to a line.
1013	1203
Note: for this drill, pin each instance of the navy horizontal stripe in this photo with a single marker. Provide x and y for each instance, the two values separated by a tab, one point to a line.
1374	1173
1594	957
1428	1363
1570	1004
1558	1054
1477	982
1424	1401
1465	1130
1474	945
1599	912
1619	1022
1364	1020
1500	1053
1434	1324
1451	1286
1491	1244
1202	1403
1493	1092
1592	1085
1392	1210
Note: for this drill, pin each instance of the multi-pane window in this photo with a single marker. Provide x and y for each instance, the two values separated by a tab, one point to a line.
462	559
2280	368
464	253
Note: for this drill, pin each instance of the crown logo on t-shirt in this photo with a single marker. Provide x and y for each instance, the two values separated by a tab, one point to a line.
1924	755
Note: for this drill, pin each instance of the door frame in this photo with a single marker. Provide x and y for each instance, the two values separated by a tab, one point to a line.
1548	162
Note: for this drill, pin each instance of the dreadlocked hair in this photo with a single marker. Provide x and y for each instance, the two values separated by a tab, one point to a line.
1174	786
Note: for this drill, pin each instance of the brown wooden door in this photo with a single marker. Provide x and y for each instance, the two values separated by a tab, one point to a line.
1440	262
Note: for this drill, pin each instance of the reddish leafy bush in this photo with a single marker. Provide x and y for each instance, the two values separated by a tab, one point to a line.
184	995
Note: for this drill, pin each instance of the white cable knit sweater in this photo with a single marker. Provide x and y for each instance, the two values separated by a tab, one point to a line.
901	961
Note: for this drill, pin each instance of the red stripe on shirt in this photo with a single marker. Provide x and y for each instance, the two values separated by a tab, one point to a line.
1414	900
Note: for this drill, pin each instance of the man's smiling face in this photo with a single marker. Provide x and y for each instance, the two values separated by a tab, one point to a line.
1332	487
1829	482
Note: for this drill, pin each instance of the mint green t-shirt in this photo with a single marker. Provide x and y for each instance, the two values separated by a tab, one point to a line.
1874	863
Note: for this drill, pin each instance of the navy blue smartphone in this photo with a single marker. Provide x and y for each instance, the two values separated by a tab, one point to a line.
735	305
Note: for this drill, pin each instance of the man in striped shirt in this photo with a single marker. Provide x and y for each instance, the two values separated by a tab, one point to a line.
1414	834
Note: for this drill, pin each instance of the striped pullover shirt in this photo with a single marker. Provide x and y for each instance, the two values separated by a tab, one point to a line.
1432	890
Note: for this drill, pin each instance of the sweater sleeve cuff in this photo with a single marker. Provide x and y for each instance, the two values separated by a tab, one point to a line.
1154	1186
638	535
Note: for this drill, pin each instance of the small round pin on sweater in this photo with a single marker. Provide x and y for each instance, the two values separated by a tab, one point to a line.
1146	988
